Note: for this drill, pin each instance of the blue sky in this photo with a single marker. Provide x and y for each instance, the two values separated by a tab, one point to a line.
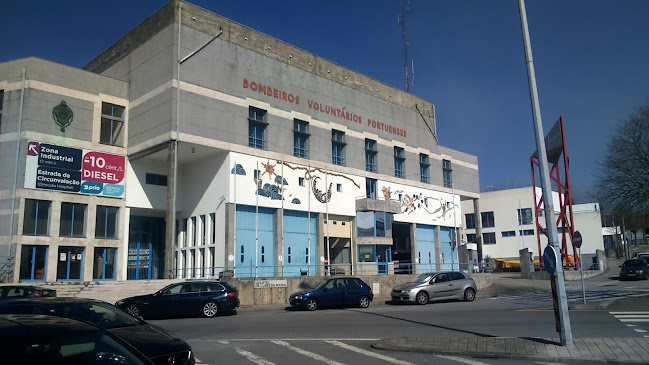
591	59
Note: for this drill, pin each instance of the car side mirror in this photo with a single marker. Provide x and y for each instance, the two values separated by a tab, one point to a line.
324	289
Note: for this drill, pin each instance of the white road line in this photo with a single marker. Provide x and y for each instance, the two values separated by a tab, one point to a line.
459	359
639	330
634	320
224	342
284	339
252	357
623	313
631	315
307	353
631	325
370	353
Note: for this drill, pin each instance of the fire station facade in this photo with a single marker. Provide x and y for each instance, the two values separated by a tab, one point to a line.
196	146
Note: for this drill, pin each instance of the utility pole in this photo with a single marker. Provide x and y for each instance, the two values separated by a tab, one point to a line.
550	222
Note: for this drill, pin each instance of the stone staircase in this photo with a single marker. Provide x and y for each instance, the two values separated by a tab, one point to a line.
109	291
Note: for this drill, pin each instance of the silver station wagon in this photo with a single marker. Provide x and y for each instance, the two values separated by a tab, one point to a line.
435	285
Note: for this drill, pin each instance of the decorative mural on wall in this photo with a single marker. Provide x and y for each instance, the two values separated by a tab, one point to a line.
276	189
414	202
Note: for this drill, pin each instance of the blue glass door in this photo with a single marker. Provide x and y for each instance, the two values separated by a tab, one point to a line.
383	258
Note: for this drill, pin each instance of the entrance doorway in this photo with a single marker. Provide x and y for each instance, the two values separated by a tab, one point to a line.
145	248
383	258
401	248
70	264
33	263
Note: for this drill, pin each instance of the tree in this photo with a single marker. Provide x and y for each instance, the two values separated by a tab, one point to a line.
623	182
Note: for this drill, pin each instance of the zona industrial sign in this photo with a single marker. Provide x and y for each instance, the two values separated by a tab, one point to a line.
74	170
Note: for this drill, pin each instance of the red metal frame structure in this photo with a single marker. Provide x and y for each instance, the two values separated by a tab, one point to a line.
565	222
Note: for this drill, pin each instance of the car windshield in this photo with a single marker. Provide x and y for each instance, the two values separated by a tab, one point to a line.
634	263
320	284
423	278
103	315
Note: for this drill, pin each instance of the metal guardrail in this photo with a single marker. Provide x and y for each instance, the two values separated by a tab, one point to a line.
7	266
371	268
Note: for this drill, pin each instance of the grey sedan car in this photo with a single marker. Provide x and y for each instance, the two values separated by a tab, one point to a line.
435	285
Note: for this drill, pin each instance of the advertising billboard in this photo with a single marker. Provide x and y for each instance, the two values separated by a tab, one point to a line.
74	170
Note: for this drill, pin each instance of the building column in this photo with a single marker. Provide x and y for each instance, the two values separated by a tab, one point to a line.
170	218
438	249
230	232
413	247
477	220
320	246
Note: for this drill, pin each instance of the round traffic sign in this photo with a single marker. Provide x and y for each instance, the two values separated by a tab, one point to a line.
576	239
550	259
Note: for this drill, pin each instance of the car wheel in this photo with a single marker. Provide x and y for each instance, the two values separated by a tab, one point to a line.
311	304
364	302
422	297
133	310
210	309
469	295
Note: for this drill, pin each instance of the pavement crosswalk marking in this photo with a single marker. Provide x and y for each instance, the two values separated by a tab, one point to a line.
370	353
574	295
252	357
307	353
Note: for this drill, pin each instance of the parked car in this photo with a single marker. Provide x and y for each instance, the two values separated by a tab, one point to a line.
435	285
634	268
40	339
156	343
341	292
25	291
207	298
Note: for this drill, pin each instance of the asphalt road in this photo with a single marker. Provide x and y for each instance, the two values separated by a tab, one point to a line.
511	308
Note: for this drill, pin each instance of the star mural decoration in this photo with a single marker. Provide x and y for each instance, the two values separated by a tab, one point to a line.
268	168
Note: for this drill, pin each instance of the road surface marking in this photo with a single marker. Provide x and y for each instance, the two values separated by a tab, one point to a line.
307	353
626	313
634	320
631	325
370	353
224	342
459	359
252	357
285	339
639	330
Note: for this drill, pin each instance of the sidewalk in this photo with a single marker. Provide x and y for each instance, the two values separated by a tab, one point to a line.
628	350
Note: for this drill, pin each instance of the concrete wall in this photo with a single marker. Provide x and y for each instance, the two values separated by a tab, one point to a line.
380	284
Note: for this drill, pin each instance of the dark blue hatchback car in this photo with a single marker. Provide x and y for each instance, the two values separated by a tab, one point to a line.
190	298
338	292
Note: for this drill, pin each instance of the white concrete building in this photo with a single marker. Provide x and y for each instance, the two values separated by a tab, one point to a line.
508	223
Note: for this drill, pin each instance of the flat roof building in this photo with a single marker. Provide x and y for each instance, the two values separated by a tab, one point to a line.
239	154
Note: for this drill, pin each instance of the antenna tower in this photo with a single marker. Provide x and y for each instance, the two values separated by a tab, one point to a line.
405	45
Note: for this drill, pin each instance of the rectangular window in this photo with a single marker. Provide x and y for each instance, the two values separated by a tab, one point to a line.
106	223
155	179
489	238
424	167
448	173
370	155
73	220
399	162
257	128
370	188
300	181
487	219
339	188
338	147
104	264
470	238
112	124
524	216
526	232
470	221
366	253
37	217
508	233
256	174
300	138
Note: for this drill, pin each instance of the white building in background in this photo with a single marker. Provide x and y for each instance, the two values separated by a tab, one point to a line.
508	223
